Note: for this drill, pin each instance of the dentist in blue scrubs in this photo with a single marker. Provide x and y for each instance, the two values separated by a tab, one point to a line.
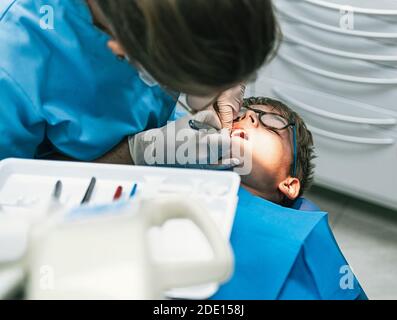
77	77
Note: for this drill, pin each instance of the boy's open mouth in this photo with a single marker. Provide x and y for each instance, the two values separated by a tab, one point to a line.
240	133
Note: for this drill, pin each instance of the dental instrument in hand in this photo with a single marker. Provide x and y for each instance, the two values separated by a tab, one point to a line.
197	125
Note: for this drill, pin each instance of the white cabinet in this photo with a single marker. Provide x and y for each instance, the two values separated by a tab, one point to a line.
344	84
338	20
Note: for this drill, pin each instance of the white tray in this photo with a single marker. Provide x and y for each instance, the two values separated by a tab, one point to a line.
34	181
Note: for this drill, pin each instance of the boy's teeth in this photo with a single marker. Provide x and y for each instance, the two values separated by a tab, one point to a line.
240	133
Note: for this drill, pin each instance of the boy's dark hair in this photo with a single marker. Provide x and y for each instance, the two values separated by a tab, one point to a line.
304	139
195	46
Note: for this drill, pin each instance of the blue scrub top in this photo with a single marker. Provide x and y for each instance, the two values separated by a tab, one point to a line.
64	85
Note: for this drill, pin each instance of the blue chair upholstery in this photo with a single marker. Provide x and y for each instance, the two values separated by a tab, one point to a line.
303	204
286	253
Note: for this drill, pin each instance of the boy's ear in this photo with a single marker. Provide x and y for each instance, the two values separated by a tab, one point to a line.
290	187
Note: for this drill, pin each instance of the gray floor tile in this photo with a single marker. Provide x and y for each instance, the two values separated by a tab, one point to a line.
329	201
367	235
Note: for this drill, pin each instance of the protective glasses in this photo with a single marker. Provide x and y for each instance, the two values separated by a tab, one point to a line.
276	122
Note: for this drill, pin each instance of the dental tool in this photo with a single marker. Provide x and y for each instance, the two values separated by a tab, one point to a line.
90	190
197	125
133	191
56	195
118	193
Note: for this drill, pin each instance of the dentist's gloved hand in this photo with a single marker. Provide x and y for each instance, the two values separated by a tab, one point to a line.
178	145
229	104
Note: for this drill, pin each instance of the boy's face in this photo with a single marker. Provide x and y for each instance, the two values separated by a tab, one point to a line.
271	152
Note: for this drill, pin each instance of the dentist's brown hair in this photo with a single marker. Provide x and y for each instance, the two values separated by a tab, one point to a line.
195	46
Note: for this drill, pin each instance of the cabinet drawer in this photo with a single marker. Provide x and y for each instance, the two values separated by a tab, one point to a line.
338	44
367	171
331	108
325	18
293	72
336	67
371	7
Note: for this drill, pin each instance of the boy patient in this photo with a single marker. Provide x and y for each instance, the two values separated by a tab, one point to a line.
281	149
272	142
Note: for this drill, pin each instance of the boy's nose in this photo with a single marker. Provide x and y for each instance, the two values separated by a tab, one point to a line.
252	117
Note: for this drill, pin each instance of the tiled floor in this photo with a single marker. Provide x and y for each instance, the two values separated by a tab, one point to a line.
367	235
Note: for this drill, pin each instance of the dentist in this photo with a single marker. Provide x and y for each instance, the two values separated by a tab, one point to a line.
79	77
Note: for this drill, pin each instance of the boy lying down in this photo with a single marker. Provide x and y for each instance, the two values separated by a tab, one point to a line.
270	144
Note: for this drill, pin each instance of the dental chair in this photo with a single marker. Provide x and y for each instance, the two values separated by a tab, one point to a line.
286	254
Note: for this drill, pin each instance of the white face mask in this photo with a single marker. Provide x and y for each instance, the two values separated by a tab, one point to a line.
145	76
